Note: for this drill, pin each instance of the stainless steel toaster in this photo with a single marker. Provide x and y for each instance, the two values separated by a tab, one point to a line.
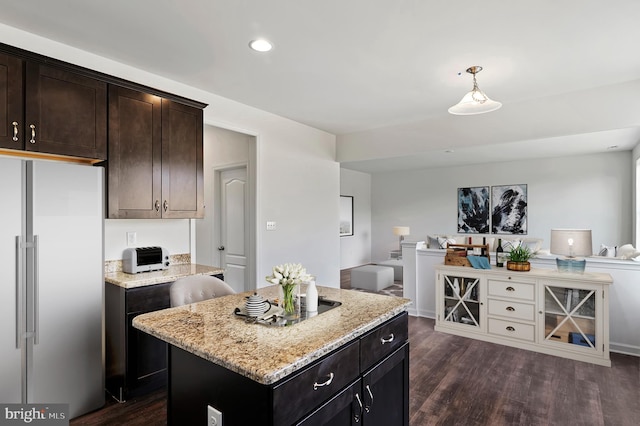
144	259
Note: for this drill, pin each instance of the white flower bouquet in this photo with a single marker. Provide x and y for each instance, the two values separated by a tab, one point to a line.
289	276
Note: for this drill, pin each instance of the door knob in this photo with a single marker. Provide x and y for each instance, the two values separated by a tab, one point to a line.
221	248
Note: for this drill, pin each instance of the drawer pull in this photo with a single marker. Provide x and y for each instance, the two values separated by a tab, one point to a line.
357	415
327	382
509	328
510	308
367	408
15	131
510	289
388	339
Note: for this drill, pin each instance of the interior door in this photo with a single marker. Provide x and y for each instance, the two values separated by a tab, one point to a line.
10	228
234	223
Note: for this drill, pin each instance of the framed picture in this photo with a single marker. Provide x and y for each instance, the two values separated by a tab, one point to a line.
346	215
473	210
509	209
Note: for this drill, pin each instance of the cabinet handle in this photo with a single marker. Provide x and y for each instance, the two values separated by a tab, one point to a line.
367	408
165	205
327	382
157	205
388	339
357	415
510	308
511	288
15	131
33	133
509	328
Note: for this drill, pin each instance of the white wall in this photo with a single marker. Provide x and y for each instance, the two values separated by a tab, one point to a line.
591	191
298	177
635	167
355	249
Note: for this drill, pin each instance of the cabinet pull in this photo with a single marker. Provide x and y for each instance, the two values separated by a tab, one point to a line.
388	339
15	131
511	288
165	205
367	408
509	328
157	205
33	133
510	308
357	415
327	382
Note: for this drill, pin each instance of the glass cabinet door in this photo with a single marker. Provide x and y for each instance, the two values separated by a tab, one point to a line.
570	316
461	300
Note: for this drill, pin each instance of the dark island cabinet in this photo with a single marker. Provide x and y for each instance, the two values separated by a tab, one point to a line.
338	389
50	110
155	167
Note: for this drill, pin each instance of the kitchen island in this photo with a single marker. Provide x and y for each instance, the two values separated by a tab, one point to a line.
348	363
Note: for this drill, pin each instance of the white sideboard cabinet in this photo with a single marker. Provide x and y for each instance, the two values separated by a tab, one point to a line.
541	310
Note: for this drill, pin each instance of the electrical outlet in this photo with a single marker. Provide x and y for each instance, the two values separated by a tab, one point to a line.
271	226
131	239
214	417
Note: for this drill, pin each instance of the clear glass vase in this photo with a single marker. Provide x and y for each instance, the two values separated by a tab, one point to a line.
290	300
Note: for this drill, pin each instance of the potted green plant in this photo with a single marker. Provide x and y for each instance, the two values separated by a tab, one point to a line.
518	259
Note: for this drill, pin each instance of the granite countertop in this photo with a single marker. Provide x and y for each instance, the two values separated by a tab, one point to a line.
172	273
262	353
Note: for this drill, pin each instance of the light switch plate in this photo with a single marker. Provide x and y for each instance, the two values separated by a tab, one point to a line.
131	239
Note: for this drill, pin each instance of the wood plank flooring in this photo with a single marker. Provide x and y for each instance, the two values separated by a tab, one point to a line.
460	381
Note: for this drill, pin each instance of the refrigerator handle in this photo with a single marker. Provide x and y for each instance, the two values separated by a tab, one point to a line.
36	290
19	313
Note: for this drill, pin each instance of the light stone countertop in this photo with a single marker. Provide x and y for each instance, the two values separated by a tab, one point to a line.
172	273
264	353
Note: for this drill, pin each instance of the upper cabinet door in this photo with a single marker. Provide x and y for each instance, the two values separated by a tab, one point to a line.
135	154
182	161
11	102
66	113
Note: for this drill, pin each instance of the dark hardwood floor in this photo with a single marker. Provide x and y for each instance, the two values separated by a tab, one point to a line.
460	381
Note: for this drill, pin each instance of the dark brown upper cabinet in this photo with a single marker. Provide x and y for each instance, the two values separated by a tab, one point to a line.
155	157
47	110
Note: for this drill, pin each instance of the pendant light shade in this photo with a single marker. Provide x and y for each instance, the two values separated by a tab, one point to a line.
474	102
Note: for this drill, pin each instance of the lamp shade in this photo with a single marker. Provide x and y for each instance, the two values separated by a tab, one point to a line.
571	242
401	230
470	105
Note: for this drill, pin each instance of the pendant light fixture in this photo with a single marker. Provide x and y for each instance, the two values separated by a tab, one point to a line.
474	102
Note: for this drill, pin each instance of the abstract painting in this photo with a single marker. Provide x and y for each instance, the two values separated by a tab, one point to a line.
473	210
509	209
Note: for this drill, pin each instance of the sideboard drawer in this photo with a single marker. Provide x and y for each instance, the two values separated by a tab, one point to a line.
383	340
511	289
512	309
512	329
312	386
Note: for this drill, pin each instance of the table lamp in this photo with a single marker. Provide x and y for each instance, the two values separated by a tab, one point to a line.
571	243
401	231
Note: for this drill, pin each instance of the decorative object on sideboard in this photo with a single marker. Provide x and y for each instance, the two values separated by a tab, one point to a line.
401	232
574	244
509	209
473	210
519	259
475	101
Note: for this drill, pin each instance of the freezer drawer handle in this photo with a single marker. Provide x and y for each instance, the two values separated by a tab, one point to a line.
15	131
36	291
33	133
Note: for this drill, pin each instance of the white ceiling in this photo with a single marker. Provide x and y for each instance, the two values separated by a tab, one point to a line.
381	74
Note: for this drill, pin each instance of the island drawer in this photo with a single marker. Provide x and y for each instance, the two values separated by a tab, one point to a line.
383	340
314	385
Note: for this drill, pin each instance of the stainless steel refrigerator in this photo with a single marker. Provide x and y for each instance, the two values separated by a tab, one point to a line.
51	284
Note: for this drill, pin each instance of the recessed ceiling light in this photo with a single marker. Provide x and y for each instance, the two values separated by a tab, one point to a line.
261	45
